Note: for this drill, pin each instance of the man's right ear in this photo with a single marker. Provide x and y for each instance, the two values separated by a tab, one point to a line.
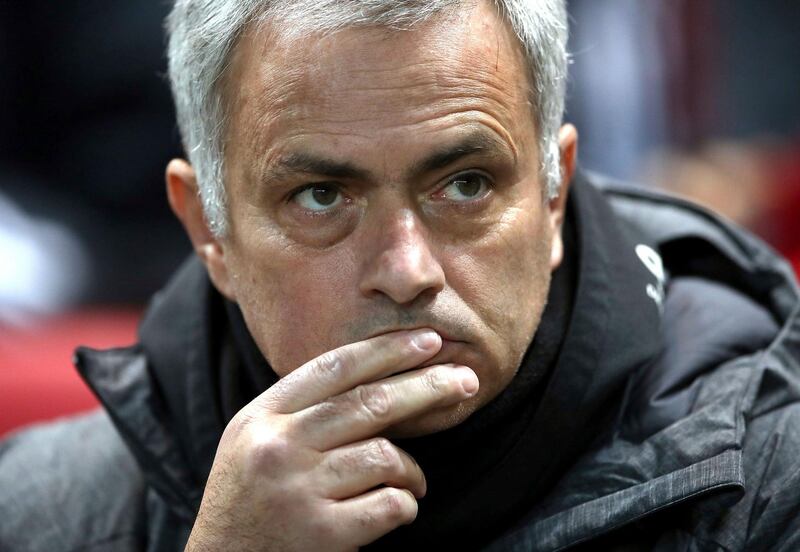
184	199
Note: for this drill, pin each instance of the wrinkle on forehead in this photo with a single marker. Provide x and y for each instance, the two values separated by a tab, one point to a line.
284	87
360	149
413	86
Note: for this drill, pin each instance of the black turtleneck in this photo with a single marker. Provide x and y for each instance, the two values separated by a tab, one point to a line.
479	453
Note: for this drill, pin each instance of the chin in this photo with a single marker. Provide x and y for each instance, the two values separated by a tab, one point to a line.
433	421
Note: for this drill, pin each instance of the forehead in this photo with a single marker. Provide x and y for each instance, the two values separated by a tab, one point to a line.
367	81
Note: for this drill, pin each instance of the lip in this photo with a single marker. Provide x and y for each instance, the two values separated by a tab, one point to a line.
446	336
451	353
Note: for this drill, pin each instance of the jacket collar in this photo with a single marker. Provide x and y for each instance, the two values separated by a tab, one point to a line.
160	393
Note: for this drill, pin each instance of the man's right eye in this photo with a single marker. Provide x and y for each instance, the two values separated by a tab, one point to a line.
318	197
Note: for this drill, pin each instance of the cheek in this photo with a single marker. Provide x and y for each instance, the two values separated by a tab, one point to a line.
294	307
503	270
505	279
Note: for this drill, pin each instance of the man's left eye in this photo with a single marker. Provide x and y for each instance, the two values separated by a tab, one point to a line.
467	186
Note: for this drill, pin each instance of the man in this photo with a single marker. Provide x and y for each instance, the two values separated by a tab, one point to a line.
411	324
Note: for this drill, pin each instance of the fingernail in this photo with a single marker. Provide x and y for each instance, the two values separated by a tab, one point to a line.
469	381
427	340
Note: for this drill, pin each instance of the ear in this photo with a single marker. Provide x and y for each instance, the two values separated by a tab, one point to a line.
184	199
568	149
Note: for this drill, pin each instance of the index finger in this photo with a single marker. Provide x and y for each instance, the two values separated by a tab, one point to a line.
348	366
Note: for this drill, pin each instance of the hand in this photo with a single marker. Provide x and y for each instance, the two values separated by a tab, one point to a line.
302	466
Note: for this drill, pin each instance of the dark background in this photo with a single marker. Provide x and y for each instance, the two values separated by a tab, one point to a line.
86	129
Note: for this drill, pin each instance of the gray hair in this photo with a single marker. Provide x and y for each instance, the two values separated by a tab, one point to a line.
203	33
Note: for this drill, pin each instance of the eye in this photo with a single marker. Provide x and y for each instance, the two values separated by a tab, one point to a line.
467	186
318	197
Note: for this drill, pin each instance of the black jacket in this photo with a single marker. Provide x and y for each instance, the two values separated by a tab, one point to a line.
671	421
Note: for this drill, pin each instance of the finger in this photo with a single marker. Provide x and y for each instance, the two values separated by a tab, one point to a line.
370	516
355	469
366	410
350	365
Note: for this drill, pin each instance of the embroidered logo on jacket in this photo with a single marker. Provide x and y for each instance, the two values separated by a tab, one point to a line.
652	261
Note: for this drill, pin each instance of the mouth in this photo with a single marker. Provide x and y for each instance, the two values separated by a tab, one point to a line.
455	349
451	353
447	337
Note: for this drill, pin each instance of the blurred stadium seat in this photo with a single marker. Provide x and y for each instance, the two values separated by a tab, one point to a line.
37	379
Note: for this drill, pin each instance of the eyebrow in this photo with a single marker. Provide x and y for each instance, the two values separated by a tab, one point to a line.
309	163
476	142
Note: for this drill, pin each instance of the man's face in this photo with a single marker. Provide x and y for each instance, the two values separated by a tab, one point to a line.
383	180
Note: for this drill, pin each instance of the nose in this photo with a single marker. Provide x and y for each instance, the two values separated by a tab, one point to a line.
399	262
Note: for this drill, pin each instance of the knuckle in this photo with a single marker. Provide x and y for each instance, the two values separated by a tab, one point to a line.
332	365
374	400
324	412
342	466
387	456
269	449
399	506
437	381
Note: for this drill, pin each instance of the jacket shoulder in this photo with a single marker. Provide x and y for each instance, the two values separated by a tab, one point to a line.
70	485
771	451
694	241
